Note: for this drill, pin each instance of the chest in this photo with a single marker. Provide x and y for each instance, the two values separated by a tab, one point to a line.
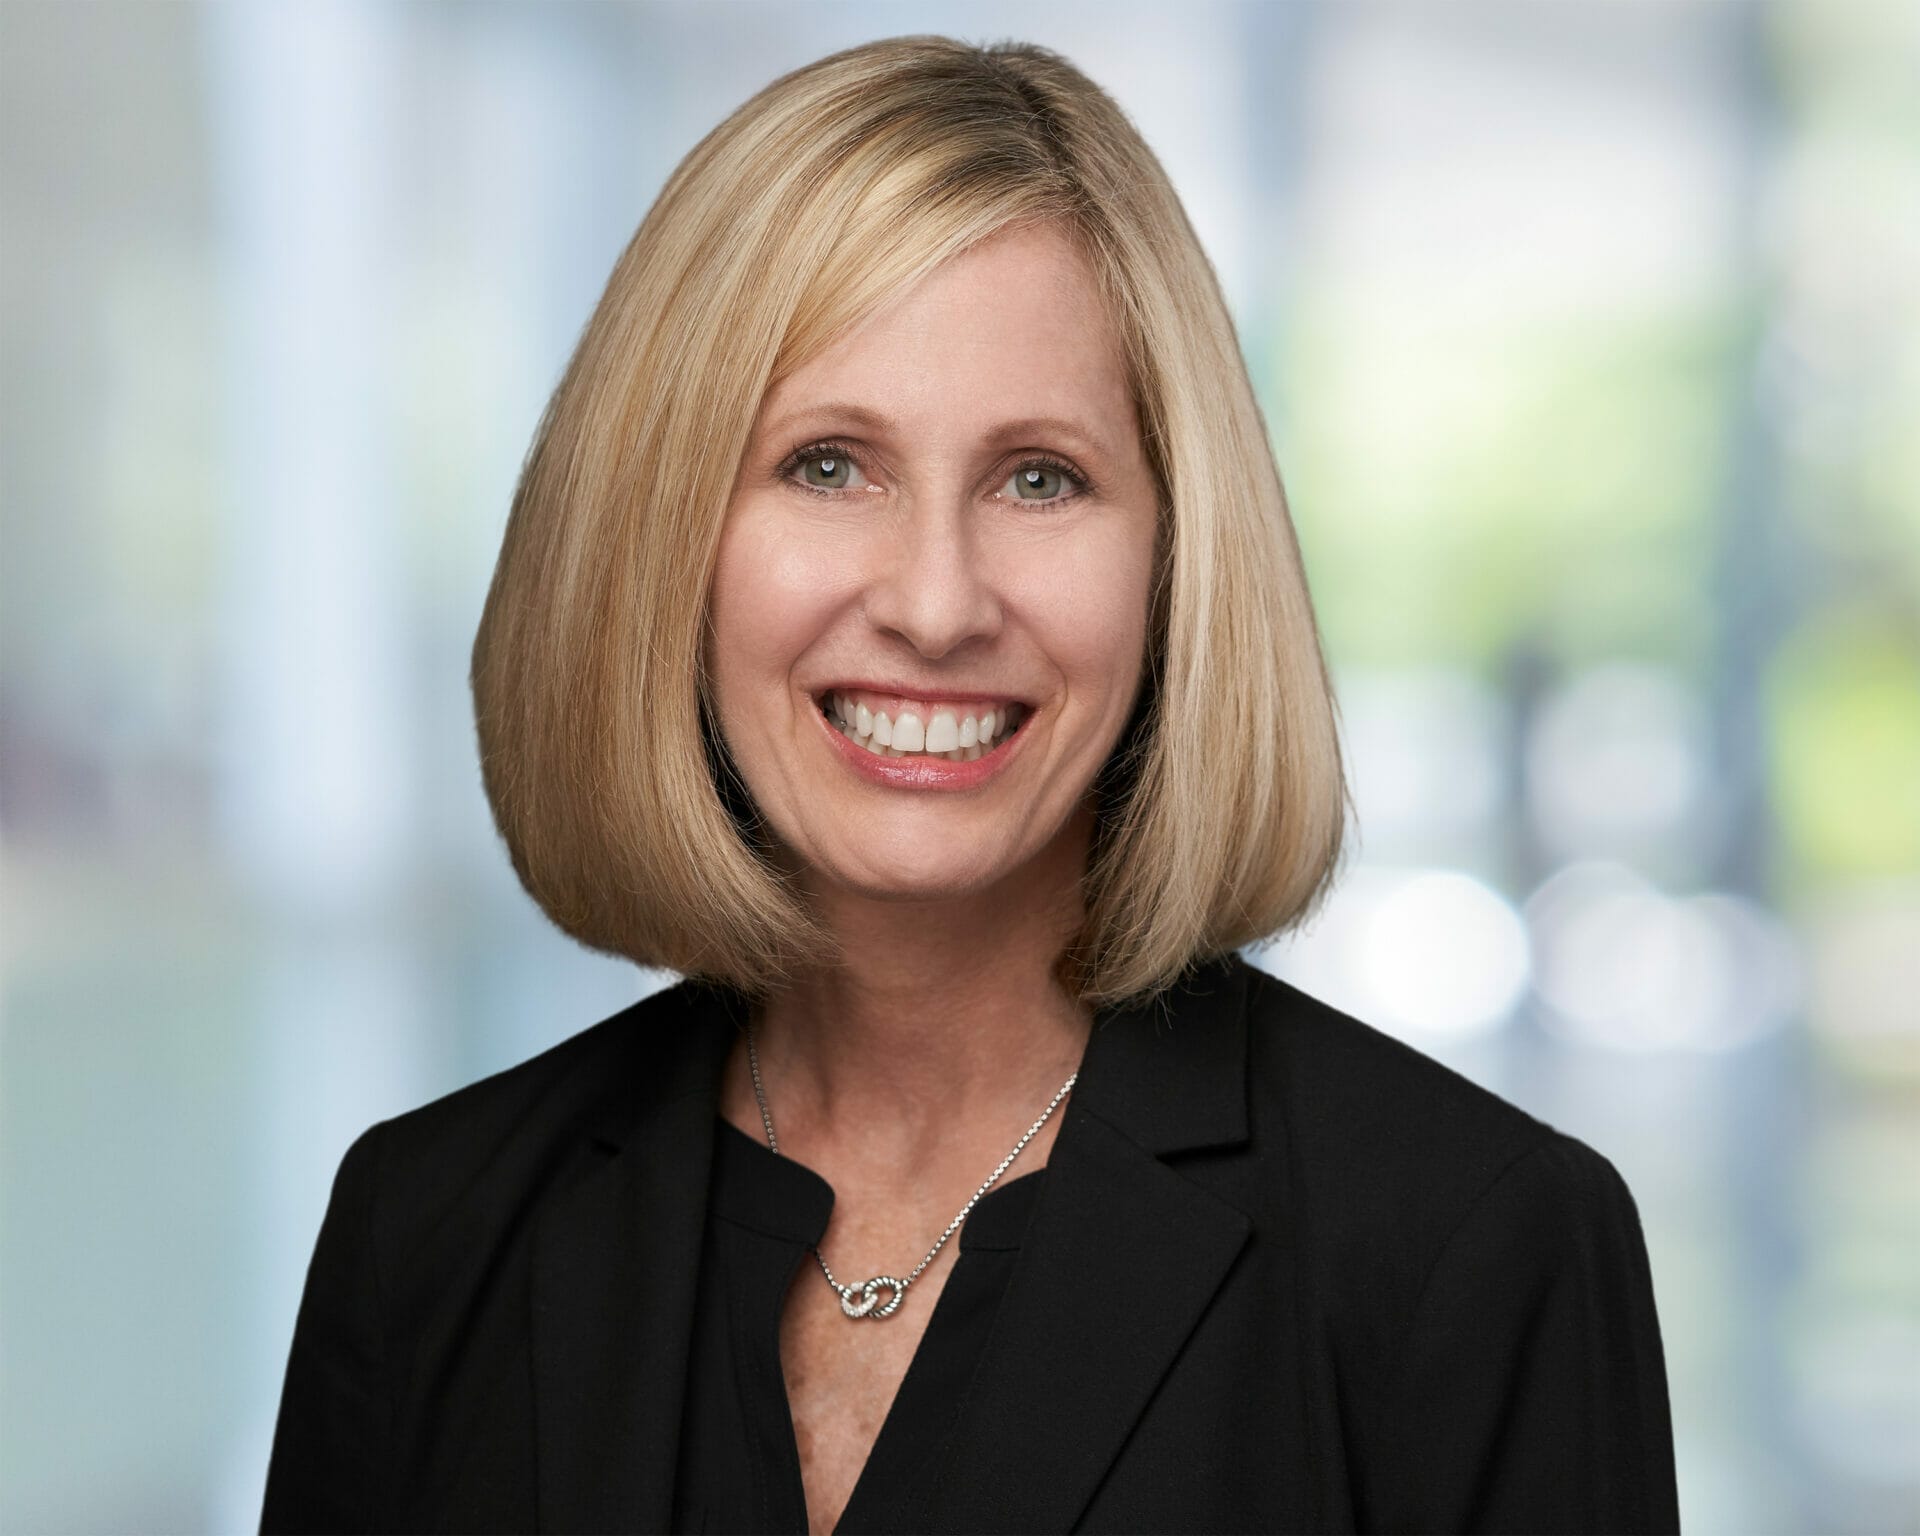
842	1376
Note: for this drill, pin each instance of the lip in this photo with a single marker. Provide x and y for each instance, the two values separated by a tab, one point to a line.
923	772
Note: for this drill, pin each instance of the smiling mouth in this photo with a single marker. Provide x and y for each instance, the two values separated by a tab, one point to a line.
958	733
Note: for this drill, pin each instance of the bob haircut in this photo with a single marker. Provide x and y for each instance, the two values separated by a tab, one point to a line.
824	196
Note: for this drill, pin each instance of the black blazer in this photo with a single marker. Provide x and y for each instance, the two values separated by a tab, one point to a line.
1286	1274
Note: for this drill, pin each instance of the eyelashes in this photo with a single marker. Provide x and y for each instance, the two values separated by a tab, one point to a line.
843	455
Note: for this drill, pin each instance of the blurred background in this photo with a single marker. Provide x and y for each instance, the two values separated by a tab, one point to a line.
1589	337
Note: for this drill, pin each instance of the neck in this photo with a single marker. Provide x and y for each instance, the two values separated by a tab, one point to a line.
941	1027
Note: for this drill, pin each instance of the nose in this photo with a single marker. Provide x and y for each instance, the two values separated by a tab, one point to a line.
930	583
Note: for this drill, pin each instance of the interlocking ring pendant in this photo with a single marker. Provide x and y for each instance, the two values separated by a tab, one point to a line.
859	1301
868	1304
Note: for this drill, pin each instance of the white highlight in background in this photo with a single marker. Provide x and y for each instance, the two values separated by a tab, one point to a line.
1415	952
1622	965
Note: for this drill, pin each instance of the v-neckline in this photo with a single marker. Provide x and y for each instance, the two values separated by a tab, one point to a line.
793	1203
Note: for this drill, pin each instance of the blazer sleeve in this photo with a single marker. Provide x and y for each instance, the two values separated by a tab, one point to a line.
329	1440
1531	1393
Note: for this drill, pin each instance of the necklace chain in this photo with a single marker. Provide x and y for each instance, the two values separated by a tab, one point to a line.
863	1300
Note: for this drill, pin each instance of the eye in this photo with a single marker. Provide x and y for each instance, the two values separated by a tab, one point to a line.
1043	479
824	468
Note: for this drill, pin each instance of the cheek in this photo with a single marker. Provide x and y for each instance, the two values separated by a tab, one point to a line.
1087	599
770	599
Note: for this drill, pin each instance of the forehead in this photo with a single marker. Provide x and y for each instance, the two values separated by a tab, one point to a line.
1013	327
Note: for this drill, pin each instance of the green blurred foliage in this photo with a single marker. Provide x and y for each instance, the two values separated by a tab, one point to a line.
1843	703
1548	482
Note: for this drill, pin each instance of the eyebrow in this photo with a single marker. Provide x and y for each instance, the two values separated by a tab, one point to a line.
1011	431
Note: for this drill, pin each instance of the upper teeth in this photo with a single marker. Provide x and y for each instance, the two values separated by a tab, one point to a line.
955	732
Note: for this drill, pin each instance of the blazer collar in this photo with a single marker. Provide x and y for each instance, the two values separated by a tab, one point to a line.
1123	1254
1120	1247
1171	1075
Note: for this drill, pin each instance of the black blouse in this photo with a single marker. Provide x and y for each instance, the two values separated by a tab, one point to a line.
739	1466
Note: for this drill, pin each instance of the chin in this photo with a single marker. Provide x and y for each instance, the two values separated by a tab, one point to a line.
905	885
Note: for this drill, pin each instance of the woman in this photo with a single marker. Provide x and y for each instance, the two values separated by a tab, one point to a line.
900	632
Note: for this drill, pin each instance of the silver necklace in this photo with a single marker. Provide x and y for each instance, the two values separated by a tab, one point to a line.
863	1300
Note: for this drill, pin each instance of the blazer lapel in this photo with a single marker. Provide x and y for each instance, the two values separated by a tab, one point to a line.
615	1264
1122	1256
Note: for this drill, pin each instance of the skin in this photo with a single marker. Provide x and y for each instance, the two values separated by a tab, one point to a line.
904	1074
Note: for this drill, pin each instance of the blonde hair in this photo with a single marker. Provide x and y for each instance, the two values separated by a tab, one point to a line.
830	191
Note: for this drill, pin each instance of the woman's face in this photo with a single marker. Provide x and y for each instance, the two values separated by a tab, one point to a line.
941	537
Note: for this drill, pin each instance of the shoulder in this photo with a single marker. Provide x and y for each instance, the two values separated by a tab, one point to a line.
1388	1154
1474	1281
1345	1085
518	1127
